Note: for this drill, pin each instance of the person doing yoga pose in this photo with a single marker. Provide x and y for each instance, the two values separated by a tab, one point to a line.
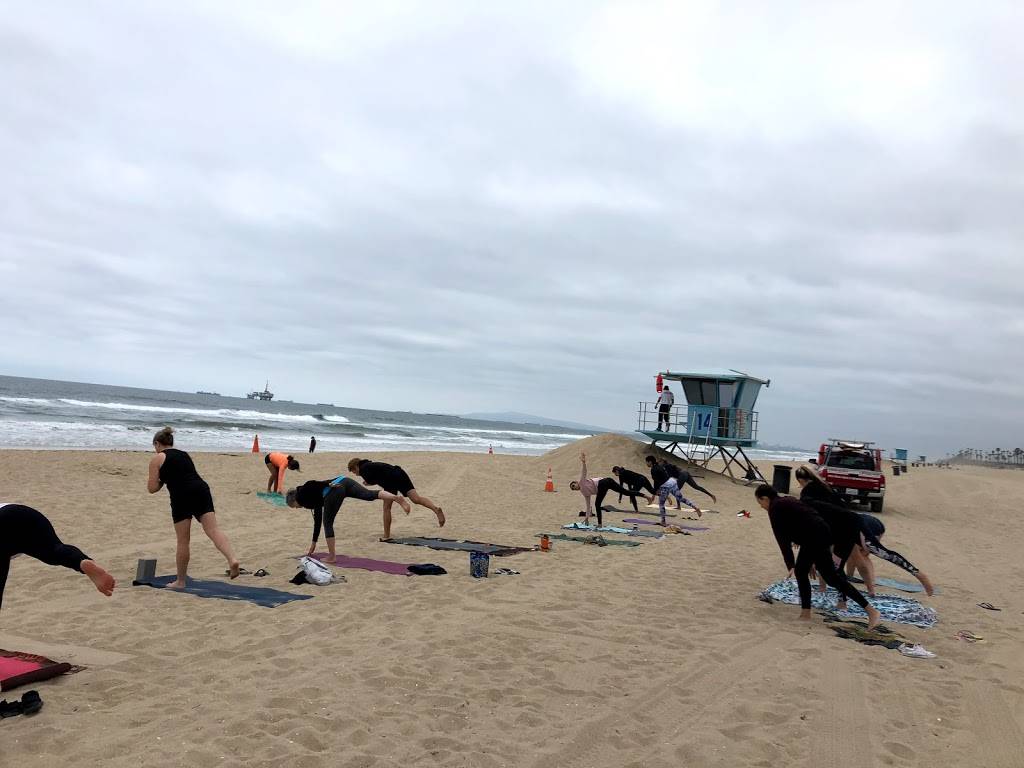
873	530
847	542
324	498
26	531
682	477
793	522
668	486
634	481
277	463
190	497
395	480
598	487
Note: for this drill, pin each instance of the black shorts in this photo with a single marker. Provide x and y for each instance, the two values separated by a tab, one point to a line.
195	502
398	482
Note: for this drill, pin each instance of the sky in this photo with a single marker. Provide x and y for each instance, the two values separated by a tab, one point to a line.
458	206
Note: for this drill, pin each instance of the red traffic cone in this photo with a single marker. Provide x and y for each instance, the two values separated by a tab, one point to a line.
256	444
549	486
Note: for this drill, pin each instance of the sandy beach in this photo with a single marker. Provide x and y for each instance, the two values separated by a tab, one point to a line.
655	655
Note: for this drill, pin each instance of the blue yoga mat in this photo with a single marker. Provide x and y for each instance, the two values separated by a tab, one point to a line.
221	590
902	586
272	498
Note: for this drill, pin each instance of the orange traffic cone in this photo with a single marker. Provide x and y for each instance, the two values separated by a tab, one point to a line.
490	449
256	444
549	486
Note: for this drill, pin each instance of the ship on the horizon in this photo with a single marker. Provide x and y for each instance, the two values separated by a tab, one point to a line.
266	394
204	392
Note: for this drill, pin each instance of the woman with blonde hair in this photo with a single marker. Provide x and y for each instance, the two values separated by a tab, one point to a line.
190	497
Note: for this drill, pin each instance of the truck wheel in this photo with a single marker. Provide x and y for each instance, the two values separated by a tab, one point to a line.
876	506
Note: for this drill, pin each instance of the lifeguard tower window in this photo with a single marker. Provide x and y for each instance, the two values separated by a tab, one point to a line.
703	392
851	460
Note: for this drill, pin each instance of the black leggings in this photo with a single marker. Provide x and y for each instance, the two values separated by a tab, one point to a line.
24	531
821	558
685	478
332	504
606	484
636	488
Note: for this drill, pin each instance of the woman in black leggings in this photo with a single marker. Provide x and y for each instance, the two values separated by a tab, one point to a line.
324	498
795	523
847	543
634	481
873	530
26	531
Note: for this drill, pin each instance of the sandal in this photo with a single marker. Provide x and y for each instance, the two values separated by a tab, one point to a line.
989	607
261	573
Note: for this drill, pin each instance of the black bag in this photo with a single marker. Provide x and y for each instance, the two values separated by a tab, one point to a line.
427	569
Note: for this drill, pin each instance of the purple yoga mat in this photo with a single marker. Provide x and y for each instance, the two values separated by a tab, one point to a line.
638	521
366	564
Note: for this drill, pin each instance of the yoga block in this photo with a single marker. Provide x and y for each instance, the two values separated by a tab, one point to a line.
145	570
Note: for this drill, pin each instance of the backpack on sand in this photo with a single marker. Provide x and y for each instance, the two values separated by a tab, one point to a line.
316	572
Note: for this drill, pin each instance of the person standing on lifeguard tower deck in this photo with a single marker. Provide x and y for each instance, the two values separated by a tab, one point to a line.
665	402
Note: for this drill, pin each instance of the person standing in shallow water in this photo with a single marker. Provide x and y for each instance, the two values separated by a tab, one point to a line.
190	497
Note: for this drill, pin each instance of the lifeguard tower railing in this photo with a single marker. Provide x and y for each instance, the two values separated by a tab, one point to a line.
702	424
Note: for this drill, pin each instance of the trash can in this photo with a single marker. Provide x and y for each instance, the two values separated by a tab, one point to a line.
896	470
780	478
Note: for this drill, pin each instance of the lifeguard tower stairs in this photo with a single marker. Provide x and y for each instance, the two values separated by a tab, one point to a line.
714	425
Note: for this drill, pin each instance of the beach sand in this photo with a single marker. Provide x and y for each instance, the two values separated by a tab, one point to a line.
656	655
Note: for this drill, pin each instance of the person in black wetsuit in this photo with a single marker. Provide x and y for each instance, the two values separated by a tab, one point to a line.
847	543
635	482
26	531
324	498
683	478
393	479
190	497
793	522
312	444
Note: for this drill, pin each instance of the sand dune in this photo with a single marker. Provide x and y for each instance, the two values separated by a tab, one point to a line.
657	655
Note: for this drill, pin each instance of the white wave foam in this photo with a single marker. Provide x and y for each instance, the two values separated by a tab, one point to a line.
228	414
331	418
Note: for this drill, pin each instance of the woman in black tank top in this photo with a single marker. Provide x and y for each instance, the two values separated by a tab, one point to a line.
190	497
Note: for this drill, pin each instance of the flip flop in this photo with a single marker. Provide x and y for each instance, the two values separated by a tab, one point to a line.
10	708
261	573
241	572
989	607
969	637
31	703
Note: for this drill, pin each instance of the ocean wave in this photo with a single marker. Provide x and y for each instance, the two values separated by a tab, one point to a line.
331	418
225	414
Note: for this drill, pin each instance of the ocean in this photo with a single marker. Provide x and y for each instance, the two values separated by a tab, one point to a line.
61	415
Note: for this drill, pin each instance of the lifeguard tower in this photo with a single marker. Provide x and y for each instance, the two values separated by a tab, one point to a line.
716	422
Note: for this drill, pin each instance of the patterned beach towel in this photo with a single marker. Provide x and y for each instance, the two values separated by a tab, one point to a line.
589	539
902	610
614	529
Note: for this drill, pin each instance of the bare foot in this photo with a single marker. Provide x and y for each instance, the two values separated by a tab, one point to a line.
440	518
714	499
404	505
926	583
699	513
841	605
874	617
805	614
329	559
176	585
233	569
104	581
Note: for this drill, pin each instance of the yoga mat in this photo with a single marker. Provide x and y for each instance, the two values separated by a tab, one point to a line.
220	590
903	586
613	529
677	525
582	539
902	610
17	668
272	498
498	550
366	564
607	508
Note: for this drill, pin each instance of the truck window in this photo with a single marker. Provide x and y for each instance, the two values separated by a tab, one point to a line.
851	460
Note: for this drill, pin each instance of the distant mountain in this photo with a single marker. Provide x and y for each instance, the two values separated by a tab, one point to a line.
513	417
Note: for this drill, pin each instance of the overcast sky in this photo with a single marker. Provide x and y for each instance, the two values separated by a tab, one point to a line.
469	206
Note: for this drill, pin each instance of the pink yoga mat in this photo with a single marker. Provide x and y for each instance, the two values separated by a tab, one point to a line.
13	667
366	564
638	521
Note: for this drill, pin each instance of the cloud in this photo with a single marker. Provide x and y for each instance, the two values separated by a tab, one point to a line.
469	207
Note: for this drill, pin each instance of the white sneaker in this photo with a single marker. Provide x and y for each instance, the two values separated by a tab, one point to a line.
917	651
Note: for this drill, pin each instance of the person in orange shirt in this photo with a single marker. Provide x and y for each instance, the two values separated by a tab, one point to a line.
277	463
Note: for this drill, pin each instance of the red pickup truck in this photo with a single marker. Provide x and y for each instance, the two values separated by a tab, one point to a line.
853	469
